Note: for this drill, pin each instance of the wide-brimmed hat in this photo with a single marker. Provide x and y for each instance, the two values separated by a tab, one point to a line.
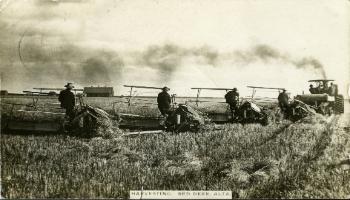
69	85
234	89
165	88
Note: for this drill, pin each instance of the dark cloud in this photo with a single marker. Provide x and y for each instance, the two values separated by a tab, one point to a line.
102	69
210	55
34	57
164	58
92	67
168	58
96	70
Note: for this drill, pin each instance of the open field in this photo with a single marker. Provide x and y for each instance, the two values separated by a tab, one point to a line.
139	105
301	160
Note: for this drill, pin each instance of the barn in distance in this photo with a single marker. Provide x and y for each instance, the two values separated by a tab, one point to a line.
99	91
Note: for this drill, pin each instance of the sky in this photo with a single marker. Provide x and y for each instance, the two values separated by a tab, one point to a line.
180	44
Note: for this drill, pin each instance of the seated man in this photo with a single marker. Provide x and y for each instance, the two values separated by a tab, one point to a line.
232	99
164	101
318	89
67	100
312	89
325	88
283	100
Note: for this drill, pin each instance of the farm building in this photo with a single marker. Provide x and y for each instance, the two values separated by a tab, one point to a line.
3	92
99	91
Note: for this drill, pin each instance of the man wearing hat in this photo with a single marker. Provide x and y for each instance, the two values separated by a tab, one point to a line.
164	101
333	90
67	100
312	89
232	99
283	100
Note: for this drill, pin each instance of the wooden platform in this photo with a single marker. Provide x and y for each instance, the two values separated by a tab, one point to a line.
32	126
139	122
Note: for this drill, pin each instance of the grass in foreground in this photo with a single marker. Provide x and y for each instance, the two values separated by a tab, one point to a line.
279	160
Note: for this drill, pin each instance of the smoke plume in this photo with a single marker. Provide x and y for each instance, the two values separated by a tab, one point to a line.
52	64
311	62
268	54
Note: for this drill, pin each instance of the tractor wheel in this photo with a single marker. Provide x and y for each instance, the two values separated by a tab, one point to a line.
339	104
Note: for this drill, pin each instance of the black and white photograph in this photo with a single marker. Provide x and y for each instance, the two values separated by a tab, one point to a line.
173	99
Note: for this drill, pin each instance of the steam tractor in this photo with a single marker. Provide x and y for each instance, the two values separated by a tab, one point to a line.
248	111
323	97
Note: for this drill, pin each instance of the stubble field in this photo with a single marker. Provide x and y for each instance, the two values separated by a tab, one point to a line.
302	160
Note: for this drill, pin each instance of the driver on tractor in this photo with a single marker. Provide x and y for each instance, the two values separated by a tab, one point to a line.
312	89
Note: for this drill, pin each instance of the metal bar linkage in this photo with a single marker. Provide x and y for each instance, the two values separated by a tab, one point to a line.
200	89
145	87
271	88
211	89
319	80
138	86
57	89
31	92
258	87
